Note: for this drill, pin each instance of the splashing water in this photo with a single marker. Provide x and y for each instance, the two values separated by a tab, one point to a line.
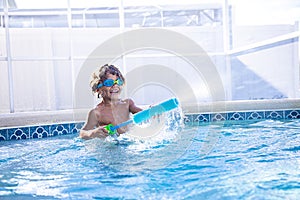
146	146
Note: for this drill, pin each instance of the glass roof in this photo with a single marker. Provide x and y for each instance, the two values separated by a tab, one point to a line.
38	4
248	12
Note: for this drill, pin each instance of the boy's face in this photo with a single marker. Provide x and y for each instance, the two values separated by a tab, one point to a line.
112	92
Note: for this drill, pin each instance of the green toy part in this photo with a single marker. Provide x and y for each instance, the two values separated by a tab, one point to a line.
110	129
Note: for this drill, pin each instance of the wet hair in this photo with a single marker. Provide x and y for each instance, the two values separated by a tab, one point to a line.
100	75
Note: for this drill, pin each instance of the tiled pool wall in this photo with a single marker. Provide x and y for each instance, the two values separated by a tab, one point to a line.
245	115
39	131
56	129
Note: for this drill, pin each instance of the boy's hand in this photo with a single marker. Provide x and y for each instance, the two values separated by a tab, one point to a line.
100	132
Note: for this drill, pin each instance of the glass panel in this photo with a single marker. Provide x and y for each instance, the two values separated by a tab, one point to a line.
93	18
1	19
264	62
104	20
4	88
42	85
110	5
255	21
85	41
269	73
143	17
173	15
35	13
38	4
43	43
36	21
163	76
2	44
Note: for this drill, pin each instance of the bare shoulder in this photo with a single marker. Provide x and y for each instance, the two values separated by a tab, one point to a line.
94	111
92	119
94	114
129	101
132	107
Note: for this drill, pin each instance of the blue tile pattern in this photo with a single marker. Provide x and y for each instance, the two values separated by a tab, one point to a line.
3	134
188	119
274	115
18	133
202	118
254	115
43	131
75	127
39	131
239	116
59	129
218	117
292	114
236	116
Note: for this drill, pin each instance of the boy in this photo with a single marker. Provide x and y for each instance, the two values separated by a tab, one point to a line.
107	82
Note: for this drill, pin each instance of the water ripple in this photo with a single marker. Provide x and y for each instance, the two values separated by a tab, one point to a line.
253	160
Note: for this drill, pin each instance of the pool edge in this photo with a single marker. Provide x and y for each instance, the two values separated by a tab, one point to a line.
48	124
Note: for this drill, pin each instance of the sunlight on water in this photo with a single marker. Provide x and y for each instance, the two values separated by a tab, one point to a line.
231	160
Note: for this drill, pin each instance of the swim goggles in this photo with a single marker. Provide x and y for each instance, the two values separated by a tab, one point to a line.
110	83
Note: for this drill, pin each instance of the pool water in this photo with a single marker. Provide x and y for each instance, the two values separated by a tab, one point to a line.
228	160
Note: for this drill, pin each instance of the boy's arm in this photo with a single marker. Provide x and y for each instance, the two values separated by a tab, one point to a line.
133	108
88	131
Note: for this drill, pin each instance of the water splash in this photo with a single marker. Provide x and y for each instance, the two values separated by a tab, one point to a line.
149	146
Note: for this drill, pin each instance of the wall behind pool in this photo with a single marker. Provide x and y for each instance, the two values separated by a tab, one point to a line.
283	109
266	72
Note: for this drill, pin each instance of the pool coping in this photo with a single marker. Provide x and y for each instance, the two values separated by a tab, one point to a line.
47	124
242	105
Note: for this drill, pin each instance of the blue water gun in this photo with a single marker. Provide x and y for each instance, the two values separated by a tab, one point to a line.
145	114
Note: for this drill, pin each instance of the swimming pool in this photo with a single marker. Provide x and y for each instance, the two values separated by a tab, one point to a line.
257	159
